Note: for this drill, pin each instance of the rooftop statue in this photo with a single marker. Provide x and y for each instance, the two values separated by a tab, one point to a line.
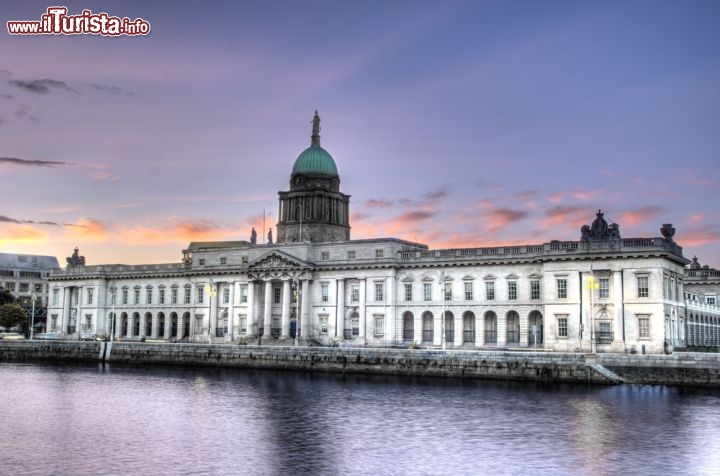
75	260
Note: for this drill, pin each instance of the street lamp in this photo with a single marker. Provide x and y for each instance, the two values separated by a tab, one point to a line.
592	284
211	291
32	321
442	316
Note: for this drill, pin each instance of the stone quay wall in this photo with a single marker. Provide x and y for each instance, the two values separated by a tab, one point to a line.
678	369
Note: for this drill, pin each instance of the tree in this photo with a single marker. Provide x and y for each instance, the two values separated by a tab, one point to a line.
6	296
12	315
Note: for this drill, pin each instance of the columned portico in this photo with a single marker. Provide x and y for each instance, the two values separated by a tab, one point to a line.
305	310
67	298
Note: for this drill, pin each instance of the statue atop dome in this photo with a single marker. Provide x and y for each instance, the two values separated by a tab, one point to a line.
315	138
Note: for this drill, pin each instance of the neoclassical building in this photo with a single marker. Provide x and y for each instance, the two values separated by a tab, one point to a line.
600	292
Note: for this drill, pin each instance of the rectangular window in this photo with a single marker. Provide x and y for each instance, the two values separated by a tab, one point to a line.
201	261
124	296
148	295
468	291
351	254
223	260
295	293
448	291
198	324
379	292
38	288
325	255
24	287
355	294
200	295
512	290
243	294
136	296
323	325
161	296
535	289
379	253
226	295
53	322
427	291
490	290
408	292
644	327
603	288
242	318
56	297
277	294
324	292
379	326
90	292
562	326
710	299
562	288
642	287
173	296
188	295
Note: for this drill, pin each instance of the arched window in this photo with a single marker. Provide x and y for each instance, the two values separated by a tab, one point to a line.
535	328
468	327
449	327
408	326
427	326
490	327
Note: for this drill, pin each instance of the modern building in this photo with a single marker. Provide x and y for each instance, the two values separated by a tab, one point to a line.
600	292
25	275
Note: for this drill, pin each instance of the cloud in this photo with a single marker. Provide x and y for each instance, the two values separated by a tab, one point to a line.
697	218
638	216
6	219
9	97
379	203
436	195
23	114
555	197
503	217
111	89
416	216
576	215
22	234
42	86
32	163
585	195
699	236
178	231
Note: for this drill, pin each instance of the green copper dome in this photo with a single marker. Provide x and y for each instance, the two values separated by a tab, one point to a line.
315	159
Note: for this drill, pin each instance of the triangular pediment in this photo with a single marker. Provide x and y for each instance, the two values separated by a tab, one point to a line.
535	276
277	260
512	276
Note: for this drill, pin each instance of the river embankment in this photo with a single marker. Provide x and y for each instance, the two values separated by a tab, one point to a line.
682	369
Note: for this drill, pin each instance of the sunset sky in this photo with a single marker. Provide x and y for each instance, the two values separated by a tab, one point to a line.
456	124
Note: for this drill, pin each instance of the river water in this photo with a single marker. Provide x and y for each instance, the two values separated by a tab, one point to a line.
91	420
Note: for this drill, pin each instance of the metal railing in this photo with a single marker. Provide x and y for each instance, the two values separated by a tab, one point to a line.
604	337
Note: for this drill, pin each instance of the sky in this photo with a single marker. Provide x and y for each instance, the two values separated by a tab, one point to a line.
455	124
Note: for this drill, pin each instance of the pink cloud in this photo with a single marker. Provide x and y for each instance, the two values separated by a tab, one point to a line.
638	216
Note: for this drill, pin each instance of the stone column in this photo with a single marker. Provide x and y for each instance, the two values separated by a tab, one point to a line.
131	321
438	326
285	321
363	298
213	312
143	324
155	324
167	327
267	316
459	329
524	328
501	327
479	331
417	327
65	318
618	310
251	309
180	326
305	311
118	325
390	299
340	310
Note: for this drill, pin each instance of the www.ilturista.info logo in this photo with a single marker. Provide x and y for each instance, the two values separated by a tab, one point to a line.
57	22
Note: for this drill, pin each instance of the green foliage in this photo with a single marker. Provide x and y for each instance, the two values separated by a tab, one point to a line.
6	297
12	315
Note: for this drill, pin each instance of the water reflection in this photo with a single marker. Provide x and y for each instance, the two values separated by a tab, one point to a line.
119	420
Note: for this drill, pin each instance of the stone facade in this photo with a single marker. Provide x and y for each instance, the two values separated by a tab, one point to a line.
601	293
